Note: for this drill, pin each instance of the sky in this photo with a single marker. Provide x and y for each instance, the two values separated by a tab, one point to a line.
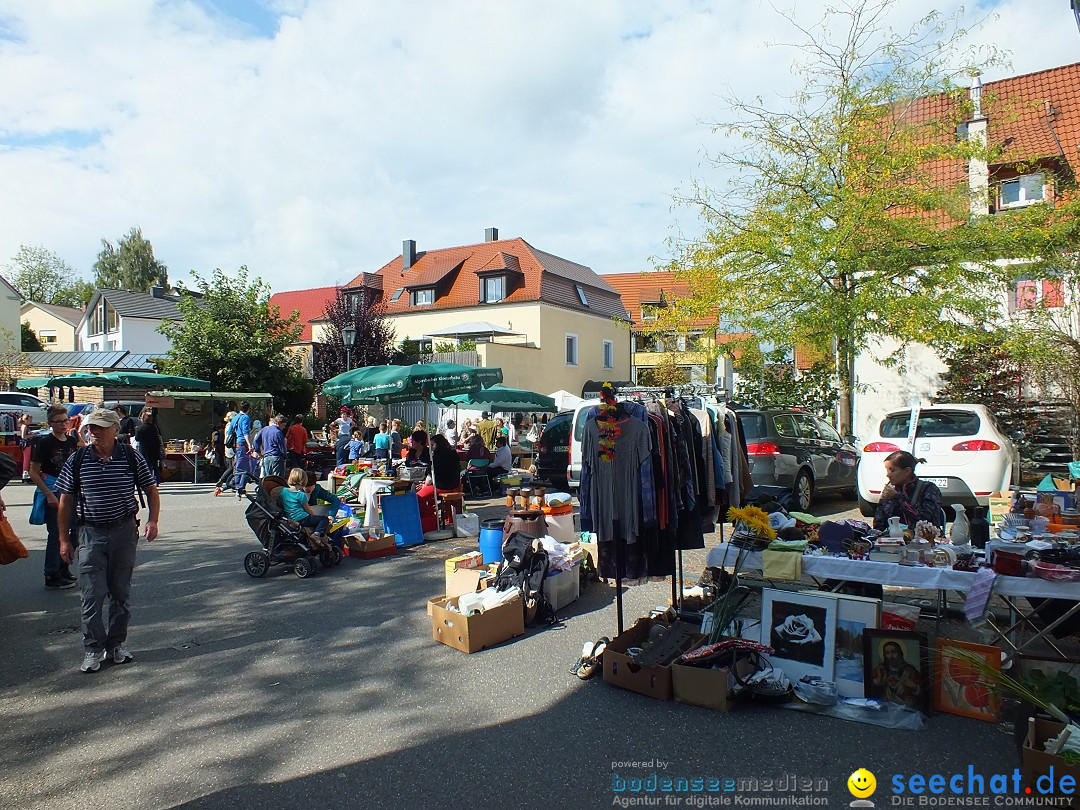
307	138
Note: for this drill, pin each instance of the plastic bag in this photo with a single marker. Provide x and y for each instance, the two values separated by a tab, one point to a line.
11	547
895	616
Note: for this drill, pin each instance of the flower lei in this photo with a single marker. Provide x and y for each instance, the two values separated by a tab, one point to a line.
609	431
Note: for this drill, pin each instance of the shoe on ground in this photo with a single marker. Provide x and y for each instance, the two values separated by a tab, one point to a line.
92	661
217	492
56	582
120	656
65	574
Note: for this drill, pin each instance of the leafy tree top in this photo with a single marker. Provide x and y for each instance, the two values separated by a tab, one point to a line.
232	336
42	276
130	265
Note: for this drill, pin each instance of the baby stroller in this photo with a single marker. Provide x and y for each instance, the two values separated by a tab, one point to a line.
284	542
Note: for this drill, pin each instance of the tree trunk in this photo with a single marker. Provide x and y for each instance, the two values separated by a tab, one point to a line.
846	378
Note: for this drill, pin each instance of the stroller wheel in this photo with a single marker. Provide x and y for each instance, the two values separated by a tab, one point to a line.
257	563
338	556
326	557
303	567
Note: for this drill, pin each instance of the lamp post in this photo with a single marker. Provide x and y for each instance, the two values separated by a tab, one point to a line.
348	335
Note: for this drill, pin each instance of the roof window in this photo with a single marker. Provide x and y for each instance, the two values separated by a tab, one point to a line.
397	294
581	295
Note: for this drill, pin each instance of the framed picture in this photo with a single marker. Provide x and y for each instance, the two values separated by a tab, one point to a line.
959	686
801	628
854	616
896	668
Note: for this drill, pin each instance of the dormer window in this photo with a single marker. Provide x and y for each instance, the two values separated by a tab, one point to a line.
649	312
1021	191
493	289
581	295
425	295
397	294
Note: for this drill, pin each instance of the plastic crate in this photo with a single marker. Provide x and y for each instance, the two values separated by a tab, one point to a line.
563	588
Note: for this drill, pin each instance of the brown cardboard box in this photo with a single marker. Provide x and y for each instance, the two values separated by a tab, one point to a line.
473	633
359	546
707	687
999	507
623	671
464	580
1049	768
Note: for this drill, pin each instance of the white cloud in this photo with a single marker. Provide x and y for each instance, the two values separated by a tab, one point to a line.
309	147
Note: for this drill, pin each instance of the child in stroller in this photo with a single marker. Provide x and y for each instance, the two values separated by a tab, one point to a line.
284	540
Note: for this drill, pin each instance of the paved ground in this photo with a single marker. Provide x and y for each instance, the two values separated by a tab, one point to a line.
330	692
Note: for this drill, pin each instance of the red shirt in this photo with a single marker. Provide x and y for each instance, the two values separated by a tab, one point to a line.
296	438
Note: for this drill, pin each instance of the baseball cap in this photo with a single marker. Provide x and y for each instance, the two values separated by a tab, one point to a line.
102	417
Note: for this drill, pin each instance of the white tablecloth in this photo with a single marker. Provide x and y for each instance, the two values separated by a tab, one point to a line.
908	576
366	500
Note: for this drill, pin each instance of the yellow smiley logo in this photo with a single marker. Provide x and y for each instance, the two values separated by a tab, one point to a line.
861	783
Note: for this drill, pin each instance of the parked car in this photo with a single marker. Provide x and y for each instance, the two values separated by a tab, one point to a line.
967	454
577	430
18	402
792	451
553	450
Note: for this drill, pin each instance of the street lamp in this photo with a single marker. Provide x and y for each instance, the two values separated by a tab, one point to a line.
348	334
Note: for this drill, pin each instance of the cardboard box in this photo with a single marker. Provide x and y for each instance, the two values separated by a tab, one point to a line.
465	580
357	545
1049	768
474	559
473	633
563	587
999	507
621	670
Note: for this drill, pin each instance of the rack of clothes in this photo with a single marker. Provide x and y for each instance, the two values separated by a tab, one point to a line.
656	476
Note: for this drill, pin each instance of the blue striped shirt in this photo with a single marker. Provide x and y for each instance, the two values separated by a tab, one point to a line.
108	489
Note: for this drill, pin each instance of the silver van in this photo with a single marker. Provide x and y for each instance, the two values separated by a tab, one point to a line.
577	430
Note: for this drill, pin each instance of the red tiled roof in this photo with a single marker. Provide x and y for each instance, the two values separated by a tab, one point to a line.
453	271
310	303
648	288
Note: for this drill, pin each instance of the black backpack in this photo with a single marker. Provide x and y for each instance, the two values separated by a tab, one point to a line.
524	566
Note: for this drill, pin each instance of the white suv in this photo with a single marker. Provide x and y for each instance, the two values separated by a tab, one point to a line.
967	455
18	402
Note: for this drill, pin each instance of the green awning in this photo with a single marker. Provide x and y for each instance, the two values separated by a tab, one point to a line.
387	384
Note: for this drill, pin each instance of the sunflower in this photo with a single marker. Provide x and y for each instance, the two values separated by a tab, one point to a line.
752	520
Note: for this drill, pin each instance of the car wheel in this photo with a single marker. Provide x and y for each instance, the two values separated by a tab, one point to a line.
803	492
865	507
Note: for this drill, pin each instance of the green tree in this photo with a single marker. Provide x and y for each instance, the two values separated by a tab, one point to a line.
42	276
130	265
30	341
833	226
374	336
665	373
234	338
770	380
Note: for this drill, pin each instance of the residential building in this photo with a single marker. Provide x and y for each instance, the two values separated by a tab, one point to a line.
310	306
549	323
10	325
54	325
1035	120
646	295
123	320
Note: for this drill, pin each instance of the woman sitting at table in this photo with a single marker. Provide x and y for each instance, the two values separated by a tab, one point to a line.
905	496
445	471
475	448
419	454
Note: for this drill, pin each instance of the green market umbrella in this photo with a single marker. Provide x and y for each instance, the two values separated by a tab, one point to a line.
501	398
76	378
153	381
387	384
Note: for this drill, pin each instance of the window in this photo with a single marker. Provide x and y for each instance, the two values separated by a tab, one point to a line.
111	321
1032	293
111	346
95	346
784	426
1020	191
581	295
494	289
571	350
424	296
47	336
680	343
931	423
609	354
649	312
96	326
397	294
828	433
807	426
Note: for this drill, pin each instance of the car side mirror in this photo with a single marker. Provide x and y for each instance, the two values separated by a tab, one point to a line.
850	439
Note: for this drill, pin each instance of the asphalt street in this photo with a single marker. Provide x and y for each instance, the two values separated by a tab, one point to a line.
330	692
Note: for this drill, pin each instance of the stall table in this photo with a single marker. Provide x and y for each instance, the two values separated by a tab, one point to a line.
191	457
927	578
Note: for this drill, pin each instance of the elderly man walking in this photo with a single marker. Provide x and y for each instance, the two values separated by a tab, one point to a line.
97	495
270	446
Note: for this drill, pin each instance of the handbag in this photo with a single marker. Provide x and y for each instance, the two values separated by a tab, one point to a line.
11	547
37	510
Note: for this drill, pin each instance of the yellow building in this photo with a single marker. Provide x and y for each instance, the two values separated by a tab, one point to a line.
55	326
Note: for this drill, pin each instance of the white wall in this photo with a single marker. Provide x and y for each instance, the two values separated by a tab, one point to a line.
10	317
140	335
886	389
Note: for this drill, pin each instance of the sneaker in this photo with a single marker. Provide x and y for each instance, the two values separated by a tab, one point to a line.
217	492
67	576
57	582
120	655
92	661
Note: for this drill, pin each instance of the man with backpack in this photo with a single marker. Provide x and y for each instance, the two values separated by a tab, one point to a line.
96	487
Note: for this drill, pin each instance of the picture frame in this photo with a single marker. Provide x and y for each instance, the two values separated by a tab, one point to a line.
896	668
801	629
855	615
959	688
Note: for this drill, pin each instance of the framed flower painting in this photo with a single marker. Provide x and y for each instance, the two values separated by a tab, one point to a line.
801	629
960	684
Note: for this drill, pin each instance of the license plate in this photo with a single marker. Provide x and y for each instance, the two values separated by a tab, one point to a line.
940	483
560	450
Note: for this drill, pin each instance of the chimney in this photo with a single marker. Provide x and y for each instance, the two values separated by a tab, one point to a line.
976	96
491	234
157	291
408	253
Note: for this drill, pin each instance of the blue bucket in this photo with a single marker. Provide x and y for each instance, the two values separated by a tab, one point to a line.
491	540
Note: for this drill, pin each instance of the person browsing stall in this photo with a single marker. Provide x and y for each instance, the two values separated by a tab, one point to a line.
99	499
906	496
47	457
296	439
382	443
503	461
270	447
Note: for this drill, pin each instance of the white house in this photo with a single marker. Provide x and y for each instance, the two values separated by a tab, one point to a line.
122	320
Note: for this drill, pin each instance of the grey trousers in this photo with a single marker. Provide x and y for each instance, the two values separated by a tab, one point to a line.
106	562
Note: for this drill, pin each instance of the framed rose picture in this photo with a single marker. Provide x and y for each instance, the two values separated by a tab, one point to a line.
896	667
801	628
854	616
959	685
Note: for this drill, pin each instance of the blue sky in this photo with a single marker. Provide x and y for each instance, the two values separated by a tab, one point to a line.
308	138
